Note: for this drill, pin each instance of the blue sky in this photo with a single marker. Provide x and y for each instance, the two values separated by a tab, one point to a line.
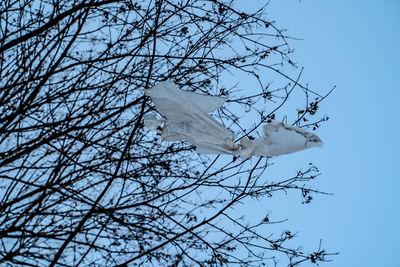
355	46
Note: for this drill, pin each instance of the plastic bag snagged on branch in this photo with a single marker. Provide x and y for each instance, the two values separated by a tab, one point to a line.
187	119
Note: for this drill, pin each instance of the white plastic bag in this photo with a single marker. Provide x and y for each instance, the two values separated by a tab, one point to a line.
188	119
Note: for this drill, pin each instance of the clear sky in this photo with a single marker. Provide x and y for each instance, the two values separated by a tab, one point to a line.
355	46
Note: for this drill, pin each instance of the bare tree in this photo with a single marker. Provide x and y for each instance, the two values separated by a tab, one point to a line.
84	183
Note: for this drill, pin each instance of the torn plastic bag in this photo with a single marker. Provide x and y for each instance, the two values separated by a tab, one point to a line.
188	119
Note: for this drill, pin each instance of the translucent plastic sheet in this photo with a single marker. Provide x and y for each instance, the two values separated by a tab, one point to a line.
187	119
